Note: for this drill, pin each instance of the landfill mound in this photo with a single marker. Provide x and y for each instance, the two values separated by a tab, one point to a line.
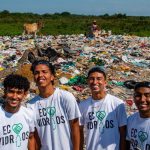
123	57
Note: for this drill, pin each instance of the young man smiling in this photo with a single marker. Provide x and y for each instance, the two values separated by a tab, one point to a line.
103	116
17	123
138	124
56	111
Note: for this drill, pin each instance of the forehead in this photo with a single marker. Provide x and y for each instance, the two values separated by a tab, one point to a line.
142	90
42	67
14	89
96	74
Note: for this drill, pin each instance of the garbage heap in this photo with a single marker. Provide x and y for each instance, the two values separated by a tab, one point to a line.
123	57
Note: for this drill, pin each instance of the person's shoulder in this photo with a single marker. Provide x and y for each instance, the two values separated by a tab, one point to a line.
26	110
114	99
65	94
85	103
34	100
26	113
133	116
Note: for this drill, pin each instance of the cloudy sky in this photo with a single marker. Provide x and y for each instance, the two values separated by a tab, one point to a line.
85	7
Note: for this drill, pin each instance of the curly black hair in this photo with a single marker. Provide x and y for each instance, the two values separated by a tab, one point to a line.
16	81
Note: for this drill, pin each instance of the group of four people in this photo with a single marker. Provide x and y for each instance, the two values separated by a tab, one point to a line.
54	121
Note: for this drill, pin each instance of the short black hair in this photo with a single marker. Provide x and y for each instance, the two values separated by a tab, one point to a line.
16	81
97	69
45	62
142	84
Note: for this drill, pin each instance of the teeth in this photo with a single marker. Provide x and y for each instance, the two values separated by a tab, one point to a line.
41	80
143	105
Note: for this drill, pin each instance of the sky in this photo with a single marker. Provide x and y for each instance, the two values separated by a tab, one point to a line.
82	7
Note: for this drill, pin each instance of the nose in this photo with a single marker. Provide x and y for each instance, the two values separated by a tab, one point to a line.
40	74
143	97
15	95
94	81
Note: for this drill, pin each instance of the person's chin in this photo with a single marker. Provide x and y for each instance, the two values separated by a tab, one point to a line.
41	85
144	109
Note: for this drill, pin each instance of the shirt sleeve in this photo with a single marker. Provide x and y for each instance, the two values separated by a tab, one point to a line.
81	119
121	115
127	135
31	120
70	105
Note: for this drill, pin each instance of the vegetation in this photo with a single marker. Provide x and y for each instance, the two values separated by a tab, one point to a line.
65	23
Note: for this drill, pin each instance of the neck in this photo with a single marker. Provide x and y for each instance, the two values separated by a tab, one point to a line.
99	96
145	115
46	92
11	109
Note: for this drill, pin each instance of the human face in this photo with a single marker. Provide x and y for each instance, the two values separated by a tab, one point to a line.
142	100
43	76
13	98
97	82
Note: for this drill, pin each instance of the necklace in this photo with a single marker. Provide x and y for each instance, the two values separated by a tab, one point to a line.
50	110
100	112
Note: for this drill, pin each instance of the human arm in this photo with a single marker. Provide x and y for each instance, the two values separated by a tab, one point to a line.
122	122
127	145
122	131
31	142
37	140
81	137
75	133
34	141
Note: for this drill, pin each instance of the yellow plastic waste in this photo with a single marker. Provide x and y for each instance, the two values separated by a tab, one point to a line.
64	87
1	68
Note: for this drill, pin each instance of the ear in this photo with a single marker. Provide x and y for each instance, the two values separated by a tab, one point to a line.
52	77
25	94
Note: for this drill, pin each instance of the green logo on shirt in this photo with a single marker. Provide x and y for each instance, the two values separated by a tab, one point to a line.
100	115
142	136
17	128
51	111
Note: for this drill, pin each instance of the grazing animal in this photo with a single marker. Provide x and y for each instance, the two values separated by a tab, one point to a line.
32	28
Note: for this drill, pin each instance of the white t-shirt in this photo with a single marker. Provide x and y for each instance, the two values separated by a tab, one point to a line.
15	129
138	132
101	120
52	119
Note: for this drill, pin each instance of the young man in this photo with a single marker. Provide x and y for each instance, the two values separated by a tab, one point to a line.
56	111
103	116
138	124
16	121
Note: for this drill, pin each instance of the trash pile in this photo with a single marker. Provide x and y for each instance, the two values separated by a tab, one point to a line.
123	57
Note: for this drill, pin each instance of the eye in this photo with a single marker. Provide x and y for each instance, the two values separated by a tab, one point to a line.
137	95
45	71
147	95
36	72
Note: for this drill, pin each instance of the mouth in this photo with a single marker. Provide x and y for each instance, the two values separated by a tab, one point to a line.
41	80
13	102
143	106
95	87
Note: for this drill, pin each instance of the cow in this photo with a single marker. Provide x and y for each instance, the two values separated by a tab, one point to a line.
32	28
